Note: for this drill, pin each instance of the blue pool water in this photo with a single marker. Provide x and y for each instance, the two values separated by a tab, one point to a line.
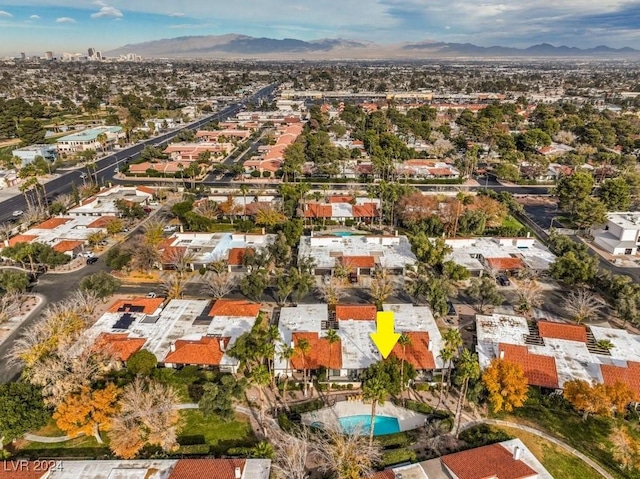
362	424
342	233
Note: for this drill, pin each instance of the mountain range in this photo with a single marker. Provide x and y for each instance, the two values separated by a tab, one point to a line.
233	46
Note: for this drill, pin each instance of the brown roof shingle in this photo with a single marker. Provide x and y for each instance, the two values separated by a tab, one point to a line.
205	351
569	332
505	264
118	345
206	468
417	352
232	307
539	370
361	312
630	376
358	261
321	352
487	462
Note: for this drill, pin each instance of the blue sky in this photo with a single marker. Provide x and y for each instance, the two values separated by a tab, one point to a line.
35	26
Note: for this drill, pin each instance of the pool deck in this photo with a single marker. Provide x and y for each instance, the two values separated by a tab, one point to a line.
407	419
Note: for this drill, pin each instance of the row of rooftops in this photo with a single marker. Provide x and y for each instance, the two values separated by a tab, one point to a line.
552	353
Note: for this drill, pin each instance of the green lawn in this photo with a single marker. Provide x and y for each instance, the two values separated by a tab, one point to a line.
511	222
559	463
220	435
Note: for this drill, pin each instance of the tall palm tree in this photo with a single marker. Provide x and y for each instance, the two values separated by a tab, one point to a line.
452	341
404	340
286	353
468	369
244	189
304	347
273	337
332	337
447	356
261	377
374	390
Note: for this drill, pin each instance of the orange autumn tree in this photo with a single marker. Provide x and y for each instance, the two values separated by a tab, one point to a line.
87	411
597	398
507	385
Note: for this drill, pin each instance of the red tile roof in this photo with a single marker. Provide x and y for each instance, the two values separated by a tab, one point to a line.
629	376
236	255
102	222
22	239
505	264
146	189
202	352
366	210
67	245
539	370
150	305
321	352
340	199
51	223
417	352
570	332
487	462
232	307
205	468
118	345
387	474
317	210
361	312
358	261
18	469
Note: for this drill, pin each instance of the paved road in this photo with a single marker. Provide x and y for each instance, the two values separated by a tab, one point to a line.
106	165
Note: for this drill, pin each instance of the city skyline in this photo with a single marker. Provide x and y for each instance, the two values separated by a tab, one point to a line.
36	26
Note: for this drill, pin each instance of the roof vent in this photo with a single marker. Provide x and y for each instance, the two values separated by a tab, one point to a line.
517	453
238	473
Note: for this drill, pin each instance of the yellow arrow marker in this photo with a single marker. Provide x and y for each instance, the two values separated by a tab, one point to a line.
385	338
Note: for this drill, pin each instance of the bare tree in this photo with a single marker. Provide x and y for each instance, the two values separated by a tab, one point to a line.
148	409
529	296
34	214
582	304
381	287
10	304
179	258
219	285
291	453
173	285
331	292
345	455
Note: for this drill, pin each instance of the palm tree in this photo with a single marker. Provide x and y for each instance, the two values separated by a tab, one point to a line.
304	347
468	369
102	139
446	355
261	377
452	342
273	337
286	353
404	340
374	390
244	189
332	337
325	189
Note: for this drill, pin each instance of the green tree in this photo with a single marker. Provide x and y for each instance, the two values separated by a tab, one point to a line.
102	284
573	190
142	363
591	211
13	281
217	399
303	347
332	337
31	131
468	369
35	254
574	268
485	292
254	283
404	340
615	193
21	410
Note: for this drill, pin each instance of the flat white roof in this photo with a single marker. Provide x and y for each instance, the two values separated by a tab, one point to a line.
626	346
467	251
215	246
358	350
305	318
76	228
389	251
138	469
628	220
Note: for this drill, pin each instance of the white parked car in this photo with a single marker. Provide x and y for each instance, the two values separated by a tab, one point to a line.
169	229
17	213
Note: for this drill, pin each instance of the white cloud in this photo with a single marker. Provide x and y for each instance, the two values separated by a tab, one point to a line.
107	11
65	20
4	13
176	14
35	17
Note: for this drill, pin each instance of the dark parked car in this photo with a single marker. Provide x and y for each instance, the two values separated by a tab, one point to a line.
503	280
92	260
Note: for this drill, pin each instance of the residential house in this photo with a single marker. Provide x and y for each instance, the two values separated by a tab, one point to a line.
105	202
620	235
426	169
29	153
361	253
8	178
189	152
342	208
552	353
273	157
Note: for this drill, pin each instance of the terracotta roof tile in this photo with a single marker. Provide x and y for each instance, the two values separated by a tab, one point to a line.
205	468
340	199
387	474
361	312
67	245
22	239
570	332
629	376
102	222
317	210
236	255
487	462
146	189
358	261
232	307
505	264
205	351
25	469
118	345
150	305
51	223
321	352
417	352
539	370
366	210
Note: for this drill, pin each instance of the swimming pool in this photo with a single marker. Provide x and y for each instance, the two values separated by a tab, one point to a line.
362	424
342	233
